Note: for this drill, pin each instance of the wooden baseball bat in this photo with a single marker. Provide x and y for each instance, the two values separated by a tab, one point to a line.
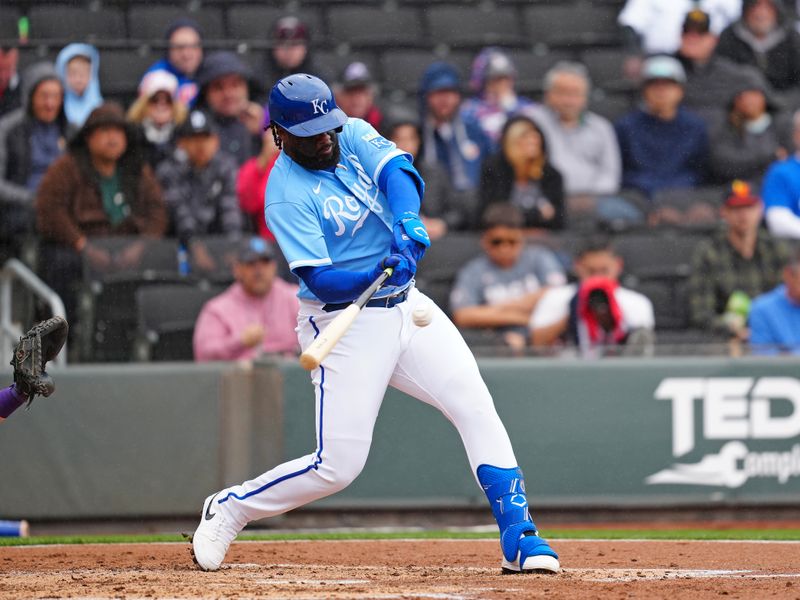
327	339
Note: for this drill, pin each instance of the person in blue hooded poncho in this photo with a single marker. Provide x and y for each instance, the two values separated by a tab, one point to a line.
77	66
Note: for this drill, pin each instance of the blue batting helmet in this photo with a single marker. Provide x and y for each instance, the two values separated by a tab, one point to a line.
304	106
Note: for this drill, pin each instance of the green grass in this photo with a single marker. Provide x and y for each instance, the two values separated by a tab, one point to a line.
637	534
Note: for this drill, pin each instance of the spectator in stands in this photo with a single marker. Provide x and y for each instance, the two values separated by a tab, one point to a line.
448	138
493	81
99	187
596	314
10	90
663	145
290	51
521	173
225	90
737	264
77	66
581	144
765	38
31	138
711	79
183	57
781	190
754	135
499	290
251	181
256	315
442	209
654	26
774	318
156	112
355	94
199	183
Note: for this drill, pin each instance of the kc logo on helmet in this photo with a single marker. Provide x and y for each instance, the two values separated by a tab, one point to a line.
320	106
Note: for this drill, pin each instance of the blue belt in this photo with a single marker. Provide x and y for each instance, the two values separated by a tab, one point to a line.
387	302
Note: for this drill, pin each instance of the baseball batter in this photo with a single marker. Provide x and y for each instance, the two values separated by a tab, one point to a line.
343	203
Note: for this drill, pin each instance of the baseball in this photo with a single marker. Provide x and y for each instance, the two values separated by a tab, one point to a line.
422	315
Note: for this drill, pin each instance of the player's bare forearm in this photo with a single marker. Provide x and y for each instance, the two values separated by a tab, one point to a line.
549	334
489	316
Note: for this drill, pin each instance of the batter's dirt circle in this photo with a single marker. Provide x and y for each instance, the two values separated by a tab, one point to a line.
443	569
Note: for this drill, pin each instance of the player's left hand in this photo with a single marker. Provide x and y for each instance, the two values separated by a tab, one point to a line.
410	238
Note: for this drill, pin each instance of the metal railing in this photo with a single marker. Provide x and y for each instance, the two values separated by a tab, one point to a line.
13	270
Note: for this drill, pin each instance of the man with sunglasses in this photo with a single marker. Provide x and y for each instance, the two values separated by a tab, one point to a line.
343	203
498	291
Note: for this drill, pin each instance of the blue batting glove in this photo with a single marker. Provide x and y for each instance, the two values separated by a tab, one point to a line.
402	270
410	237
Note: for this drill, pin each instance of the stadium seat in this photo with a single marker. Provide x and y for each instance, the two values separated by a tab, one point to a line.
75	24
532	67
9	17
606	68
149	22
437	272
106	303
375	27
658	264
248	22
166	315
572	25
121	69
403	69
474	27
610	106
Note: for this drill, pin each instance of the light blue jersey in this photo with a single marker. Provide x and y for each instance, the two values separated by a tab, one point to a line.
337	218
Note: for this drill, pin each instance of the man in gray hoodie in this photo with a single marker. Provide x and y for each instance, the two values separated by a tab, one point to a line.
31	138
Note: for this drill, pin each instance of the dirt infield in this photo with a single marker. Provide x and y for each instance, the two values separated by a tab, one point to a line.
441	569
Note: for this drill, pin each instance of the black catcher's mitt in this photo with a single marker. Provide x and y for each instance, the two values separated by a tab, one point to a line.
41	344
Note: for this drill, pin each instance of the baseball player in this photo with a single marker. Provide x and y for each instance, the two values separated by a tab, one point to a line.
39	345
343	203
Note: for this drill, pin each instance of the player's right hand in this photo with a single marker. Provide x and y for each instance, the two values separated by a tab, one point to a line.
402	269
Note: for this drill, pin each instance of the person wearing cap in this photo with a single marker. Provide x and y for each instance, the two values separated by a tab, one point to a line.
711	79
755	134
495	99
654	26
290	52
739	262
199	183
662	144
99	187
254	316
31	138
781	190
10	89
455	141
183	57
155	113
355	94
226	84
582	144
251	180
78	67
764	37
774	318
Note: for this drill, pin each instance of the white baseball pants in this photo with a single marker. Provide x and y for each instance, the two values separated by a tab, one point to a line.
383	347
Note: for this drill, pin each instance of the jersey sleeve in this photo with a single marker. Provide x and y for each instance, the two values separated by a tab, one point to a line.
373	150
776	189
467	290
298	232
